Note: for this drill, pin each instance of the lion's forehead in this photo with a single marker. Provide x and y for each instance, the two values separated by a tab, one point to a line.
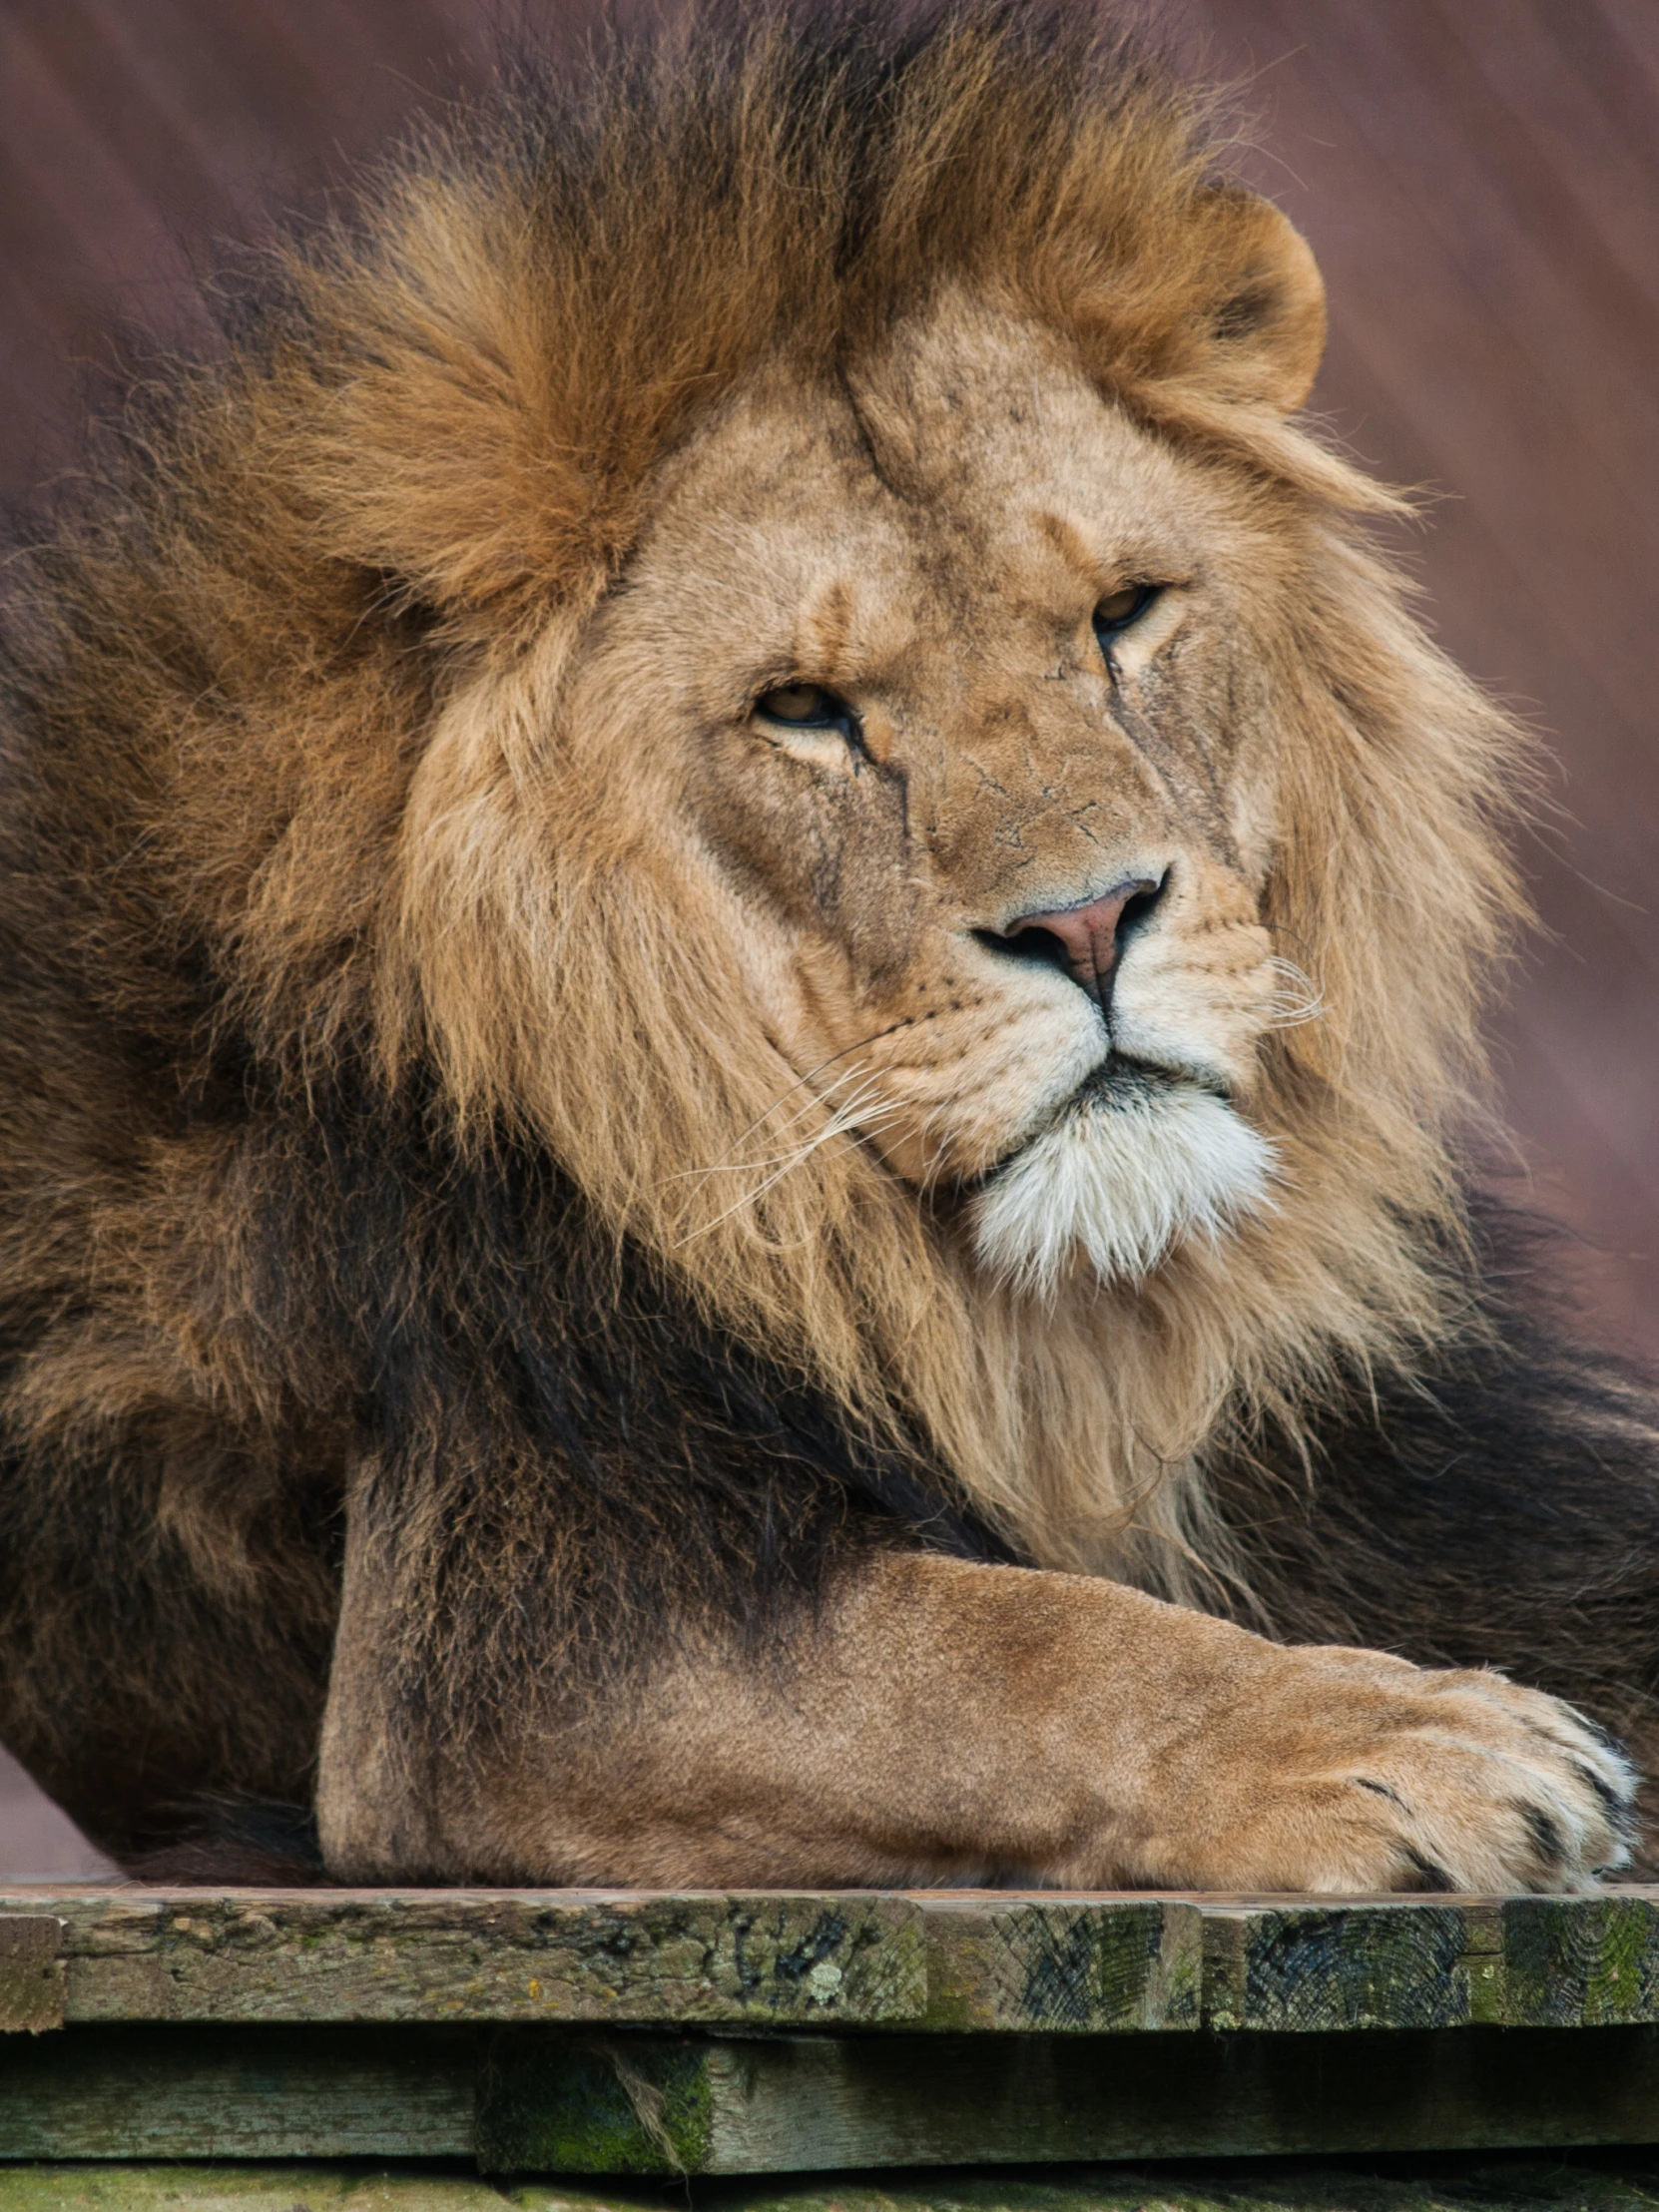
967	472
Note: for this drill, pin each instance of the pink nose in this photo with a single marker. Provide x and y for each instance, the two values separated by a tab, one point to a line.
1088	937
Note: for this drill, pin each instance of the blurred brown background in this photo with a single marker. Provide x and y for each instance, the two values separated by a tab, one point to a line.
1480	180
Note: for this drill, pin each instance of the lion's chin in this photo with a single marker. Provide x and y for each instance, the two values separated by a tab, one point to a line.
1128	1173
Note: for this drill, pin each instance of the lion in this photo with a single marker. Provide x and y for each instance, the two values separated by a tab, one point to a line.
745	942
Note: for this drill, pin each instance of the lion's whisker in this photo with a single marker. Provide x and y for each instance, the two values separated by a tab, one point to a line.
726	1165
1304	1001
799	1083
846	1122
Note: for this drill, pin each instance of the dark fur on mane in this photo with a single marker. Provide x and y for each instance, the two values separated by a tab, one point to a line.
494	1338
1501	1509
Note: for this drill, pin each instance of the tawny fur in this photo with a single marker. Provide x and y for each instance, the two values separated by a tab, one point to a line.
360	790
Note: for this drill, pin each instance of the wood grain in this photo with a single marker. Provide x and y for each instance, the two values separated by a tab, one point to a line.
196	2092
1040	1964
31	1972
834	2102
948	1962
571	2101
829	1958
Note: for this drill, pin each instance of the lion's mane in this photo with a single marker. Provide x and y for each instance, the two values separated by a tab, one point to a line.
309	872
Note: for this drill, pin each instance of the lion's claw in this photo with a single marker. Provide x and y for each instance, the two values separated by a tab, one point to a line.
1500	1788
1373	1775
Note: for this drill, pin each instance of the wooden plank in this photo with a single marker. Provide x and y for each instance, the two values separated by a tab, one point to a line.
31	1972
645	2104
998	1961
312	2186
1331	1966
836	1958
573	2100
946	1961
1326	1965
1503	2185
256	2092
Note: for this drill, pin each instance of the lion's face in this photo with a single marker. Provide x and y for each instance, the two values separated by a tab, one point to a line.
943	671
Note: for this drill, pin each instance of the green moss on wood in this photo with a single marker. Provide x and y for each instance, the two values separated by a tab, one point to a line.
1052	1965
948	1962
31	1973
1581	1961
623	2106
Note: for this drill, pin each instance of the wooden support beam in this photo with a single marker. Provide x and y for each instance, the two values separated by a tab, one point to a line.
31	1972
574	2100
249	2092
648	2105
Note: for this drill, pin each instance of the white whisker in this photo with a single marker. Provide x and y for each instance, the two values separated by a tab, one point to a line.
849	1120
1300	1000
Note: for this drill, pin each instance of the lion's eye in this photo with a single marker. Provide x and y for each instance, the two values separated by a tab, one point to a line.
1115	614
806	707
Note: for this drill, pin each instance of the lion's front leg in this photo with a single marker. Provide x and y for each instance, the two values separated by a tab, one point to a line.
944	1719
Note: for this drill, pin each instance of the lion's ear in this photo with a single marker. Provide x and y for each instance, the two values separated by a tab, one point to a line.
1267	313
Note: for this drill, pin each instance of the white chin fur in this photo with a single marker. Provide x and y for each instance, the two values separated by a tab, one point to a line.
1118	1182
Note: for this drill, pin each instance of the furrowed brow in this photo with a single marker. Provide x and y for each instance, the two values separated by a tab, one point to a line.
1071	545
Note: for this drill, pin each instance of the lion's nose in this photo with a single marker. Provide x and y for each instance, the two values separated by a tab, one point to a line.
1086	940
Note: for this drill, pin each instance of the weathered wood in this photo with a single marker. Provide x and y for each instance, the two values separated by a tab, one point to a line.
1312	1968
639	2101
1047	1964
1322	1965
253	2092
306	2186
1498	2184
948	1961
642	2104
612	2105
1581	1961
833	1958
31	1972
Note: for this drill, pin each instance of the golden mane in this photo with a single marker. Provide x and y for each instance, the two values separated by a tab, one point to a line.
369	545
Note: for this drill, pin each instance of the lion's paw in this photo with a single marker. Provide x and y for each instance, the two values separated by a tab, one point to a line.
1376	1774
